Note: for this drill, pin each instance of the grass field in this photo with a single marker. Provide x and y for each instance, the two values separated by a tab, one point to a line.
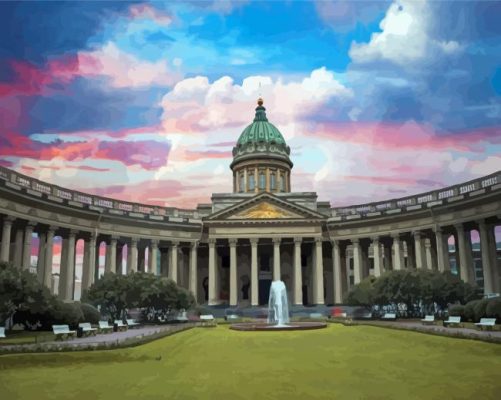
339	362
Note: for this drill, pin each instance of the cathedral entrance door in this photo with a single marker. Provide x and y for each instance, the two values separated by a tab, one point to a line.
264	291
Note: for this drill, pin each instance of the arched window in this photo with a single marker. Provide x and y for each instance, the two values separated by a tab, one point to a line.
242	182
252	183
282	182
262	181
273	181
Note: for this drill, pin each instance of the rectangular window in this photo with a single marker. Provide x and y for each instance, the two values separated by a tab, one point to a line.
251	182
242	182
282	183
272	181
262	181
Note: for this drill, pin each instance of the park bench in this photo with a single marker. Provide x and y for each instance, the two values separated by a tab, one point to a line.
131	323
453	321
105	327
316	316
87	328
2	332
120	325
389	317
207	317
487	322
62	332
428	320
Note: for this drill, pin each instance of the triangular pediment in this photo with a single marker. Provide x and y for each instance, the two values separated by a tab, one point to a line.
265	206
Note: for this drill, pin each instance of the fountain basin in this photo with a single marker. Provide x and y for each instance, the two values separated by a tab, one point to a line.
292	326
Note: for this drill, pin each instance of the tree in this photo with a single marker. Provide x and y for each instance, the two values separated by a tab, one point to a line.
22	298
362	294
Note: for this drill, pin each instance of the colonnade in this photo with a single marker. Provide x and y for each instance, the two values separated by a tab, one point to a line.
419	249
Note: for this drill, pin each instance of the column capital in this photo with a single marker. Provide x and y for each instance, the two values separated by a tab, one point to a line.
416	234
73	233
211	241
133	241
459	226
194	245
113	240
481	223
355	241
395	236
438	229
254	241
30	225
276	240
232	242
174	243
318	240
154	242
375	240
52	228
8	219
427	243
298	240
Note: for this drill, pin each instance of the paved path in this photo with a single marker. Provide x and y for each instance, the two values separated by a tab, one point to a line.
112	339
417	326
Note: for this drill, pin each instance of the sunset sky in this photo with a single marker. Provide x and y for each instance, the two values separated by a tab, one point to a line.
144	101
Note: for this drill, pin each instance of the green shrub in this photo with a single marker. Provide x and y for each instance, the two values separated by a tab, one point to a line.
493	309
479	309
67	314
469	312
457	310
90	313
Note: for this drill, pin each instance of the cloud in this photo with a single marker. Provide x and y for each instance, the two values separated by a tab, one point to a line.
124	69
195	104
404	38
147	11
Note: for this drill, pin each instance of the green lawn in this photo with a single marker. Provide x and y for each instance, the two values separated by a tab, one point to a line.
339	362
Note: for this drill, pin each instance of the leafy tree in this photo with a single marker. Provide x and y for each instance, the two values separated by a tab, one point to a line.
362	294
22	298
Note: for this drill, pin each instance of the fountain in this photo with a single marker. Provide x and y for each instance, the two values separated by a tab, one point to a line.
278	314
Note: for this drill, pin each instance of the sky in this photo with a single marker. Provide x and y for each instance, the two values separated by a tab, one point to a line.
143	101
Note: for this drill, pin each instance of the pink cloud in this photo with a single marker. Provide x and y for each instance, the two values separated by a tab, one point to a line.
147	11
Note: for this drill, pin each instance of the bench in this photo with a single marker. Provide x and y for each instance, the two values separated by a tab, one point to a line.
87	328
232	317
62	332
2	332
389	316
105	327
131	323
487	322
428	320
207	317
452	321
120	325
316	316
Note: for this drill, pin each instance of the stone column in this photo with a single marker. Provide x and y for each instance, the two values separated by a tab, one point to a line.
141	250
442	250
132	255
164	262
357	261
420	251
494	262
254	273
69	275
42	248
318	284
153	258
18	248
193	269
465	262
411	254
376	254
486	250
89	262
173	261
233	272
6	233
276	259
113	254
63	268
28	234
365	259
398	256
298	277
47	270
107	258
119	258
336	265
428	254
213	296
387	257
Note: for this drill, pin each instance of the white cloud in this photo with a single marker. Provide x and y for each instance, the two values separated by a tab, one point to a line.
405	36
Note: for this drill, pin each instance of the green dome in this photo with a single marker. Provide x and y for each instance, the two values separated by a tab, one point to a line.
260	130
